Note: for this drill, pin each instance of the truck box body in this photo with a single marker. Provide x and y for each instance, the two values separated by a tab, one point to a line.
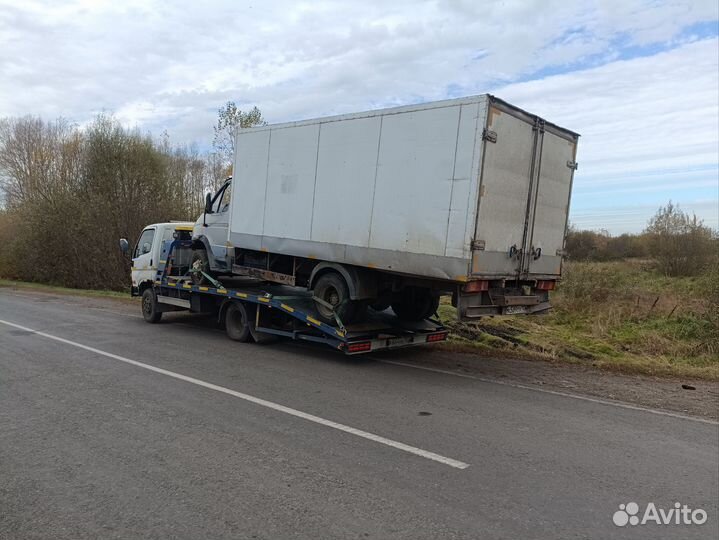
456	190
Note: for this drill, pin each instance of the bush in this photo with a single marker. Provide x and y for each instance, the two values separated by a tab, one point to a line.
680	244
600	246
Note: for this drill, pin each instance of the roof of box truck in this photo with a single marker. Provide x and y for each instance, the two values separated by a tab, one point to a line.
402	109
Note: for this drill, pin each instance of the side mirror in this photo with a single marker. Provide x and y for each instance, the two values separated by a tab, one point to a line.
146	248
124	246
208	203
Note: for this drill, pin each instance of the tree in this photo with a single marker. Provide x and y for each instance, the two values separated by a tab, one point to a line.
229	119
681	244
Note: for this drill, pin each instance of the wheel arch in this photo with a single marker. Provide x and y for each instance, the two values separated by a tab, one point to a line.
143	285
201	242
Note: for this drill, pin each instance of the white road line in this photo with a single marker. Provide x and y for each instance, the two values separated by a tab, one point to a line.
558	393
258	401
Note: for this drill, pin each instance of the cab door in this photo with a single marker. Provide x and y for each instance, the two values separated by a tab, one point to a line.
143	263
216	224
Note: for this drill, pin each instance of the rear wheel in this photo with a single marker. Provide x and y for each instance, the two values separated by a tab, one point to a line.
415	304
237	323
149	306
334	296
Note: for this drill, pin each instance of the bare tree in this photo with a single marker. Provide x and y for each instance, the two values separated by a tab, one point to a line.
67	194
230	117
681	244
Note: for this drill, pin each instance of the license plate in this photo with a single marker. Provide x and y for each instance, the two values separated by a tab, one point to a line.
398	342
513	310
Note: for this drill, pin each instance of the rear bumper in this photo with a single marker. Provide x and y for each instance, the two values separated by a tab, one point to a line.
500	302
394	342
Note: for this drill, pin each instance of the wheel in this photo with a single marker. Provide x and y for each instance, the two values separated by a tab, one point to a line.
415	304
199	263
332	289
149	306
237	323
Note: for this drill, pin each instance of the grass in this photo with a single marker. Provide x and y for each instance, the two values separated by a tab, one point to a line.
619	316
28	285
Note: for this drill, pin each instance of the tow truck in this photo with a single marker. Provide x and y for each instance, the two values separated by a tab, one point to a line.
253	310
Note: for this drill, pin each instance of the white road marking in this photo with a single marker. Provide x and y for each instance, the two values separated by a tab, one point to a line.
258	401
558	393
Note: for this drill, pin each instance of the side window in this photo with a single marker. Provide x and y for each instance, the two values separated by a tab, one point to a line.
222	200
225	205
144	244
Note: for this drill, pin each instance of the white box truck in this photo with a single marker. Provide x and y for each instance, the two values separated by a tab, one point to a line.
393	208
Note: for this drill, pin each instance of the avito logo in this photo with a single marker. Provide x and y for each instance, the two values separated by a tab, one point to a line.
628	514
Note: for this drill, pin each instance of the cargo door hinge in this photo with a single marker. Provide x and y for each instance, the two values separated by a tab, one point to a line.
477	245
489	135
572	165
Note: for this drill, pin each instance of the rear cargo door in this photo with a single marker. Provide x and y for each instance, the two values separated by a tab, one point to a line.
548	217
510	146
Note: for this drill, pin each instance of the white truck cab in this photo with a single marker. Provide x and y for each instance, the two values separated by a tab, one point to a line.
147	252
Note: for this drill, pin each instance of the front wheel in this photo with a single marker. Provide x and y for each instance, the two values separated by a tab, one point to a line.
149	306
199	264
334	297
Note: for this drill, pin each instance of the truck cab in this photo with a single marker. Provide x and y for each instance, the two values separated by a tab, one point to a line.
147	250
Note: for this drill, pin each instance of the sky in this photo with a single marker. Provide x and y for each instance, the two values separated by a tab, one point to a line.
638	79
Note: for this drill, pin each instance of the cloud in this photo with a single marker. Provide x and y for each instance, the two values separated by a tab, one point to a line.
648	126
169	66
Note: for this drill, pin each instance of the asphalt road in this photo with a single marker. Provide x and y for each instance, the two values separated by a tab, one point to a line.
208	438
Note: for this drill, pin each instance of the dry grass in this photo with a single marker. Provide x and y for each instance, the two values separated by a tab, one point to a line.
27	285
620	316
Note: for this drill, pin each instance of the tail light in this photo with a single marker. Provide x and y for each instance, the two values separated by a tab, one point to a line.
476	286
439	336
362	346
546	285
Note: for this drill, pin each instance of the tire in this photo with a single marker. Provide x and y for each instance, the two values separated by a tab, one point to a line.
237	323
201	262
415	304
149	306
332	288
